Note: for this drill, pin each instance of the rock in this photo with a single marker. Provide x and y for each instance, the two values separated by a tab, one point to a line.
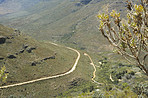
11	56
1	58
29	50
2	39
52	57
25	46
34	63
21	51
16	53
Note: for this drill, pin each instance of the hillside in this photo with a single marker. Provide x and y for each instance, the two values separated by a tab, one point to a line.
12	6
39	47
27	59
67	21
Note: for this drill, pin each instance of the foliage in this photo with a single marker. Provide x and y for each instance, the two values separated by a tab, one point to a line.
3	75
130	36
115	92
141	89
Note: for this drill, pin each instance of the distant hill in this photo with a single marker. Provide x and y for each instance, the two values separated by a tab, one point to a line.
11	6
67	21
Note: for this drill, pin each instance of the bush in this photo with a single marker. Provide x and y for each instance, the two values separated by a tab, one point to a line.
3	75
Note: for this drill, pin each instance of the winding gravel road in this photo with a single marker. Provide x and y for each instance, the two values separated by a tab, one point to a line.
50	77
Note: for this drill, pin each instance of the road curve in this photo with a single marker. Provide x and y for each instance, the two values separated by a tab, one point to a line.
94	73
50	77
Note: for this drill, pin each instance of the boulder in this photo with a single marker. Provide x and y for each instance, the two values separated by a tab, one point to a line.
51	57
16	53
2	39
1	58
34	63
11	56
21	51
29	50
25	46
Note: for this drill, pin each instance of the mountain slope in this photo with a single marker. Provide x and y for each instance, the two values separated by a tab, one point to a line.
11	6
68	21
73	23
27	59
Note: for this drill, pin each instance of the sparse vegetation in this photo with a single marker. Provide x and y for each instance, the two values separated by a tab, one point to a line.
3	75
70	23
51	60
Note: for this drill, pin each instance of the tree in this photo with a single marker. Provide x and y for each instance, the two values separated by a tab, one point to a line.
130	36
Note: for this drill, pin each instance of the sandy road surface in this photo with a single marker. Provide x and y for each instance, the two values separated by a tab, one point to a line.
94	73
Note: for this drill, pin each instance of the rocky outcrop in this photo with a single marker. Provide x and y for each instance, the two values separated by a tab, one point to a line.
11	56
1	58
22	50
25	46
51	57
34	63
29	50
2	39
